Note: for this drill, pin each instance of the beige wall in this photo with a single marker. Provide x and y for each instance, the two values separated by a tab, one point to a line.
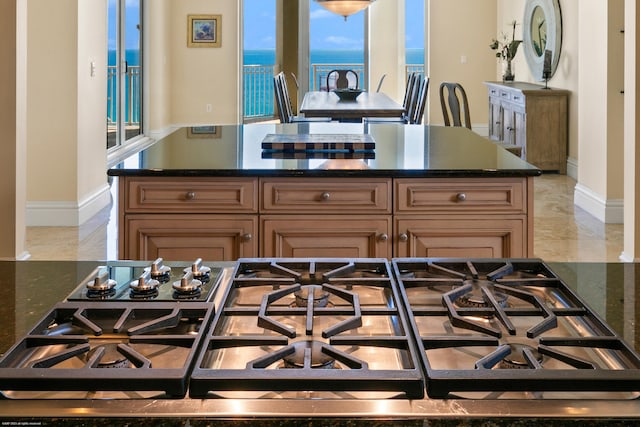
158	57
66	178
52	101
459	55
388	45
13	124
601	105
201	76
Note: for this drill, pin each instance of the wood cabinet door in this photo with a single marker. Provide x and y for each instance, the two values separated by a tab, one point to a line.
508	121
326	236
481	237
495	119
520	131
188	237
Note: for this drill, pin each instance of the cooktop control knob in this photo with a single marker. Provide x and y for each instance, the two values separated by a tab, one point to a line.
200	272
101	281
188	284
144	283
159	271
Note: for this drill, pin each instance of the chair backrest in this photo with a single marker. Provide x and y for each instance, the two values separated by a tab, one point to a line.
277	89
342	79
380	82
420	102
283	101
456	105
411	95
412	81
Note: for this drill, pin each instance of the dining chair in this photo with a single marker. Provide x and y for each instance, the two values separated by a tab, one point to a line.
409	102
458	106
420	102
380	82
342	79
453	107
283	103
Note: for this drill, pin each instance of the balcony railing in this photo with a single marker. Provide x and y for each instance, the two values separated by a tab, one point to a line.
132	93
258	89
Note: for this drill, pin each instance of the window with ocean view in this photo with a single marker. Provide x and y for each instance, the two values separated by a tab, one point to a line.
124	84
333	43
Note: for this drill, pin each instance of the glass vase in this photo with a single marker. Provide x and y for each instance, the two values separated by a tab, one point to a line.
508	74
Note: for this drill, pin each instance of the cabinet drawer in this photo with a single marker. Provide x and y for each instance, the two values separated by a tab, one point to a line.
329	236
211	195
482	236
461	195
184	237
319	195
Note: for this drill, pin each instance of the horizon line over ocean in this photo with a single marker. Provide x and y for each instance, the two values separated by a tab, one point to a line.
326	56
268	56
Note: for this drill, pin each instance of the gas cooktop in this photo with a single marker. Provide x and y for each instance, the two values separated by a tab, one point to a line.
319	337
149	281
314	328
511	329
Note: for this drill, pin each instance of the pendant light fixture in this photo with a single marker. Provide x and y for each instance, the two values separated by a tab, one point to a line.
344	7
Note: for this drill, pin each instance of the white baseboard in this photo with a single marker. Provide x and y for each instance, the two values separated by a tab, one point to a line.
607	211
67	214
572	168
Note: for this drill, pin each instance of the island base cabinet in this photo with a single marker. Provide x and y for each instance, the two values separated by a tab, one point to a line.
481	237
364	236
188	237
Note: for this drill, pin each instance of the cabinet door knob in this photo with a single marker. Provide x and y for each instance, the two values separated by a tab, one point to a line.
325	196
190	195
403	237
247	237
383	237
461	197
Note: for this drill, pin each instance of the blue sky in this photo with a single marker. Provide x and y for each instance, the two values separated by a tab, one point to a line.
328	31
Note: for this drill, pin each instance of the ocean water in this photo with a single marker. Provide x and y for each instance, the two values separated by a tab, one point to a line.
259	92
268	56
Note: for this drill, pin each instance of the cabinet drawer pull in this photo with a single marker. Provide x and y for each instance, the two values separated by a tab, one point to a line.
461	197
325	196
383	237
403	237
190	195
247	237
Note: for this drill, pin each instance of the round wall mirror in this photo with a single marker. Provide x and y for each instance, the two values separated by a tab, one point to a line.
542	36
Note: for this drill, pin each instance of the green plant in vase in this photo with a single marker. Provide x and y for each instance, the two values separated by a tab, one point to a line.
506	50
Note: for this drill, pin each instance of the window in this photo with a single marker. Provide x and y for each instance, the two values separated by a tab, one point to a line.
334	43
124	71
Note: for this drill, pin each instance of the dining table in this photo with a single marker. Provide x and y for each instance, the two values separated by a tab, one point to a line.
367	104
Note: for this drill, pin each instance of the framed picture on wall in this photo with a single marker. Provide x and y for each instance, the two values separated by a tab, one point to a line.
204	30
203	132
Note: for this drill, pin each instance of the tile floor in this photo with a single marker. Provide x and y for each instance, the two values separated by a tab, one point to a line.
562	232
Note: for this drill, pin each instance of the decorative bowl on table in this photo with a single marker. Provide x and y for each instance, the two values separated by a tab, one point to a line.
347	94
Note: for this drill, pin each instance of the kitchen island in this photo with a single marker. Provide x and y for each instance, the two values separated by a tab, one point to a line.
31	288
430	191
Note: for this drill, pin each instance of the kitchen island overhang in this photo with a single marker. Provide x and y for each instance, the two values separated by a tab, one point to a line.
420	191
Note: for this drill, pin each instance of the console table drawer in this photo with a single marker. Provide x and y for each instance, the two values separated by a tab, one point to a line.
211	195
320	195
461	195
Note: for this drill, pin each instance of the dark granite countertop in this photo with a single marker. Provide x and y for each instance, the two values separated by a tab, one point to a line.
30	288
400	151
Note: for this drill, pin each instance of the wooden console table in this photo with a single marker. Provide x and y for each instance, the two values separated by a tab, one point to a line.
533	118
